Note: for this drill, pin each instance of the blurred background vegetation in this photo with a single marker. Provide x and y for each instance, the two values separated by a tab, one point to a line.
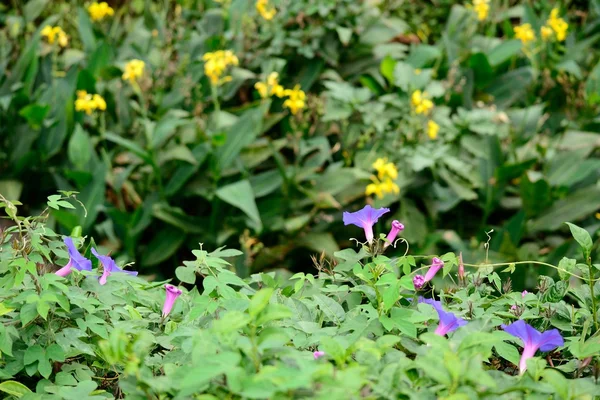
490	120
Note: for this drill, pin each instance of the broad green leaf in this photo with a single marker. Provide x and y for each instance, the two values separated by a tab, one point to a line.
14	388
80	148
259	301
240	195
582	237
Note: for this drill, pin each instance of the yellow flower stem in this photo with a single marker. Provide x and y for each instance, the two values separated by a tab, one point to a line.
214	91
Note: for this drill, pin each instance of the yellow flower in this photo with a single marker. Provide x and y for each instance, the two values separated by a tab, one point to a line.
53	34
374	188
432	129
558	25
99	102
379	188
133	70
524	33
98	11
385	168
420	103
482	8
88	103
266	11
295	101
546	32
271	87
216	63
598	215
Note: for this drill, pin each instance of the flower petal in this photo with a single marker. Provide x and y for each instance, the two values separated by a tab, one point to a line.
550	340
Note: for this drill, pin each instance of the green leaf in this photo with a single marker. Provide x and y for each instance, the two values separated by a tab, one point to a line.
33	9
259	301
35	114
129	145
86	32
240	195
14	388
80	148
239	135
55	352
574	207
33	353
582	237
331	308
162	246
164	129
186	275
504	51
592	86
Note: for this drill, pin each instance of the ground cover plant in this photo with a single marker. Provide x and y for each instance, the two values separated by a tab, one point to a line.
74	325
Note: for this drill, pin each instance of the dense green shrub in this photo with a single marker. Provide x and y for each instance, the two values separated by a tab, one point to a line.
357	329
166	159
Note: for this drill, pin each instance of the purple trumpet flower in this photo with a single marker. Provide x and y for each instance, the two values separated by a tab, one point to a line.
365	218
533	340
172	294
448	321
109	266
318	354
397	226
76	260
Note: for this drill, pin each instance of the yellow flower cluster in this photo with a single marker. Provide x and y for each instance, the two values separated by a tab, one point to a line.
420	102
384	181
88	103
295	101
55	33
524	33
216	63
270	87
265	10
432	129
555	25
98	11
482	9
133	70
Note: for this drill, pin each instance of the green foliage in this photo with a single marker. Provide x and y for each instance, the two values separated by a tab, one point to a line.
72	338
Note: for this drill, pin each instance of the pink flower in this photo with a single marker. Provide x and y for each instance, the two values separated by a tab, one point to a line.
318	354
109	267
524	293
76	260
461	268
397	226
418	281
172	294
436	265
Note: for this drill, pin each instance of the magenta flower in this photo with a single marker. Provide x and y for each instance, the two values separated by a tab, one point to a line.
524	293
448	321
172	294
365	218
318	354
397	226
109	267
436	265
533	340
76	260
418	281
461	267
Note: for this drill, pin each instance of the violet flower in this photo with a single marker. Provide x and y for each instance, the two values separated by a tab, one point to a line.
448	321
76	260
365	218
109	266
172	294
397	226
533	340
318	354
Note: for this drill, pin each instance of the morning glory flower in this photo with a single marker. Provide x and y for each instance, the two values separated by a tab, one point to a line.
533	340
448	321
420	280
109	266
318	354
365	218
397	226
76	260
524	293
172	294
